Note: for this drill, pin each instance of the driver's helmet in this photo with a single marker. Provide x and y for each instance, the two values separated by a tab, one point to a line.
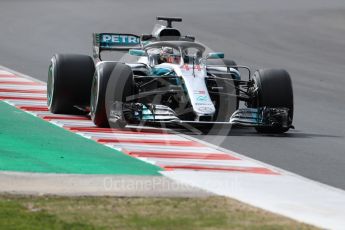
166	55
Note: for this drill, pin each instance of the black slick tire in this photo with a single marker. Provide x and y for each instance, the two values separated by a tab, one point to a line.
112	83
274	90
69	83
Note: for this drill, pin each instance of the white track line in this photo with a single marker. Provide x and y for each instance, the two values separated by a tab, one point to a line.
155	148
23	87
38	95
26	103
14	79
62	123
165	161
130	136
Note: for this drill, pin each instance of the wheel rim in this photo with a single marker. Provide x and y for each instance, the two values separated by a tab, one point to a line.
50	83
255	89
94	96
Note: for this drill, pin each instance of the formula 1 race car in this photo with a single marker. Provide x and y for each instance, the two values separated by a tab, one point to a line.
172	80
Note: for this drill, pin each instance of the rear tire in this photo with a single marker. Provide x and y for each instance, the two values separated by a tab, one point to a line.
112	82
69	83
274	90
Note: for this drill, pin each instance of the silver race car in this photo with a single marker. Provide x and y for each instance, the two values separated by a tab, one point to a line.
169	79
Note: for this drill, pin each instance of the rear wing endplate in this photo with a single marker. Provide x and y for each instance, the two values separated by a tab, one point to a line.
115	42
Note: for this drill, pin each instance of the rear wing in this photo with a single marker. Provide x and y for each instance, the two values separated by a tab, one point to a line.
115	42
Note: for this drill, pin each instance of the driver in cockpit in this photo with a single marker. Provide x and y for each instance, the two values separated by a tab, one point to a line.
166	55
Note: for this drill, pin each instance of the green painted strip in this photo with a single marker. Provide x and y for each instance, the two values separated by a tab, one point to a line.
29	144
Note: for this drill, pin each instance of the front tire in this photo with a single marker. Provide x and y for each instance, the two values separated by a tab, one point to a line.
274	90
69	83
111	85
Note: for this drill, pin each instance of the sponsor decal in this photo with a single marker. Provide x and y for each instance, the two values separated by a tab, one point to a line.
203	104
186	67
190	67
201	98
118	39
199	92
205	109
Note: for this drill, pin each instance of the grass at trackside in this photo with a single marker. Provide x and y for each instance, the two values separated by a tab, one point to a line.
27	212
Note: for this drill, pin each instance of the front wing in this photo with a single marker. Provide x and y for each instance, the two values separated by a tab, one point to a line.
252	117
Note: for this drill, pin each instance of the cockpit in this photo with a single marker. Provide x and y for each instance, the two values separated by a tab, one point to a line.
178	53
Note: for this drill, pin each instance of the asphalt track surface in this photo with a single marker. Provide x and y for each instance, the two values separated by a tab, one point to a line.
306	37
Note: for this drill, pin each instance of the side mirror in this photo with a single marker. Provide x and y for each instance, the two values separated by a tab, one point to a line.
216	55
135	52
